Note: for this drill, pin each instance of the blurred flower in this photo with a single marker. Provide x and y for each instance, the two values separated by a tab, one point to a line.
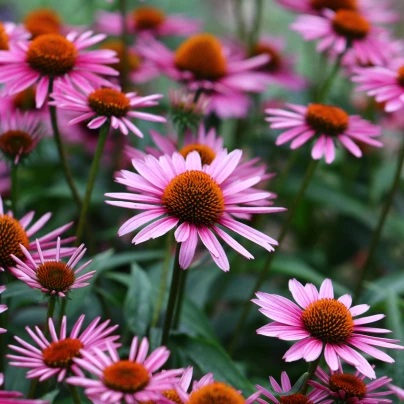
52	277
344	32
327	124
398	391
5	180
386	84
147	21
131	380
10	34
19	135
198	199
53	56
15	233
202	64
98	105
3	308
348	388
56	358
43	21
313	397
14	397
323	322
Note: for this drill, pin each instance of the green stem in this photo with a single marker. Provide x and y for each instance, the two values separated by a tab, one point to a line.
102	137
265	270
255	31
124	39
62	311
3	324
74	394
377	234
238	13
172	297
163	281
62	152
311	372
326	87
180	300
14	187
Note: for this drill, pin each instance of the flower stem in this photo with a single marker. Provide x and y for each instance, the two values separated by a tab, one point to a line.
62	152
311	371
265	270
172	297
180	300
255	30
74	394
14	187
102	137
326	87
376	236
238	13
124	39
62	311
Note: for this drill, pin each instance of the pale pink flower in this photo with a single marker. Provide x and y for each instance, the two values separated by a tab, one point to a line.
14	397
198	199
56	357
324	323
326	124
398	391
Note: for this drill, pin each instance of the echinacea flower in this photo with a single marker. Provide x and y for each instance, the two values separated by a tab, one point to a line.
15	232
99	105
19	134
14	397
42	21
345	32
199	200
56	357
58	58
202	64
52	276
10	34
386	84
350	388
297	398
323	323
131	380
326	124
149	21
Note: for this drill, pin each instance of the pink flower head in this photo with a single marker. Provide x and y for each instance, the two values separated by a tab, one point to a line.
56	357
326	124
53	56
197	199
323	323
131	380
147	21
99	105
386	84
14	397
202	64
19	134
350	388
15	232
11	33
345	32
52	276
285	386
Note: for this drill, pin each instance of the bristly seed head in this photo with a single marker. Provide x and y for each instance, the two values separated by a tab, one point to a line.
295	399
109	102
206	153
55	276
216	393
61	354
327	119
352	386
351	24
42	21
148	18
3	38
15	143
334	5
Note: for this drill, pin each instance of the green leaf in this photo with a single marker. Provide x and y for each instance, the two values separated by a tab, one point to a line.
379	290
50	396
295	389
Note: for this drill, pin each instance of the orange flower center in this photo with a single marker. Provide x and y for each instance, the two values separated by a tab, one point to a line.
401	76
216	393
206	153
126	376
148	17
42	21
51	55
55	275
133	58
194	197
351	24
327	119
328	320
203	56
351	385
25	100
276	60
295	399
173	396
16	142
109	102
333	4
60	354
3	38
12	235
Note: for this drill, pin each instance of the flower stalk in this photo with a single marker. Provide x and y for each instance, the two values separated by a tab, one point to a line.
14	187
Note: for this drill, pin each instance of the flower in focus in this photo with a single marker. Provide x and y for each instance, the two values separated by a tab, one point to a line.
313	397
202	64
200	200
53	56
327	124
14	397
15	232
348	388
149	21
19	135
10	34
42	21
99	105
345	32
386	84
56	358
322	322
52	277
132	380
